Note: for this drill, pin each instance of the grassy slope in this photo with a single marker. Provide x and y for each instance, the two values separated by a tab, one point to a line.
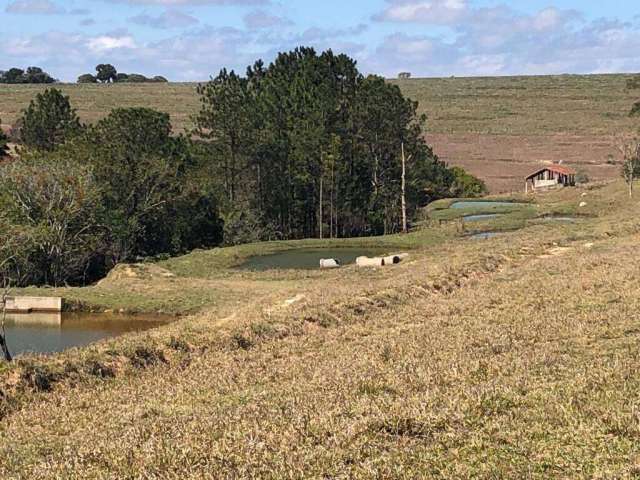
499	129
472	360
545	105
207	279
586	105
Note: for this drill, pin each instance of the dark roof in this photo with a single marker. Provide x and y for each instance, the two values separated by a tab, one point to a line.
555	168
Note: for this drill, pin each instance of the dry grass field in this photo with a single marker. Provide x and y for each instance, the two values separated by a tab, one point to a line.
498	128
510	358
501	129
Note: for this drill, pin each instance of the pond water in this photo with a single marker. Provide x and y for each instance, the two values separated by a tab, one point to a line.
478	204
55	332
479	218
307	259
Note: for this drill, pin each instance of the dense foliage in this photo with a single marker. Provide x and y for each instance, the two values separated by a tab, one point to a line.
107	73
48	121
304	147
309	145
122	189
4	143
466	185
31	75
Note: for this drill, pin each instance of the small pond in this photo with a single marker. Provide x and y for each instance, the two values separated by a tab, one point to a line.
478	204
55	332
307	259
479	218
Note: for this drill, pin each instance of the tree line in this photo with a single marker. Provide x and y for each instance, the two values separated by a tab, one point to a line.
107	73
32	75
306	147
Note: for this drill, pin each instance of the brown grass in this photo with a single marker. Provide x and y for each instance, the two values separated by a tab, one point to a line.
499	128
472	360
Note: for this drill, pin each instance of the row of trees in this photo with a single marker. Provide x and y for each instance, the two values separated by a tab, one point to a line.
107	73
306	147
31	75
309	147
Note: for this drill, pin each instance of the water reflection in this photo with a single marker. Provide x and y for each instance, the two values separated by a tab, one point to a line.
307	258
55	332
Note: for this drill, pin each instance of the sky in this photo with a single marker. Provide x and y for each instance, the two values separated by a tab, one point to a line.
191	40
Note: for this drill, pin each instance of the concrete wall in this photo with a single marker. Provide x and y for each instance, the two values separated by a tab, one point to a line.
33	304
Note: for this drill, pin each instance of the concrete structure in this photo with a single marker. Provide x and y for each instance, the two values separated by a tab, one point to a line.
553	176
36	319
381	261
329	263
33	304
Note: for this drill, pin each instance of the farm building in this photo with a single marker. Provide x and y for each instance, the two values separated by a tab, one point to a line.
552	176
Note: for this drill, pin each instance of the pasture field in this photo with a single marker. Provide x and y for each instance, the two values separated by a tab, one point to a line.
499	128
514	357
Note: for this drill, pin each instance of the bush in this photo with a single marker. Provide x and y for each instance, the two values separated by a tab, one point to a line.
48	121
466	185
582	177
4	143
87	78
49	228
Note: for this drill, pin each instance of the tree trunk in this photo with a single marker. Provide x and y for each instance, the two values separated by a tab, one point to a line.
3	336
405	228
331	202
320	225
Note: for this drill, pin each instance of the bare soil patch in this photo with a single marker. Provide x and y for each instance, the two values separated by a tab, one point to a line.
503	161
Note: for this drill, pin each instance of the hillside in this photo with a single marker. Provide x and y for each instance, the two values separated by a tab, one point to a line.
473	359
498	128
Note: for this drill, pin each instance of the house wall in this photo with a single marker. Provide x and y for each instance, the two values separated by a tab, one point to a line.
545	183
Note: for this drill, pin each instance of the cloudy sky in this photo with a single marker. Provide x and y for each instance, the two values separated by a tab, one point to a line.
192	39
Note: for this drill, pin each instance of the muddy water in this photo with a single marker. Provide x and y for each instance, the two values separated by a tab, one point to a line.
307	259
55	332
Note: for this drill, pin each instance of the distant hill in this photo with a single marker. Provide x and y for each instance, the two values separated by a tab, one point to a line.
497	127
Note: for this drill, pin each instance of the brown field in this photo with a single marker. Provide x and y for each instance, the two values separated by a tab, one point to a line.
503	161
499	128
511	358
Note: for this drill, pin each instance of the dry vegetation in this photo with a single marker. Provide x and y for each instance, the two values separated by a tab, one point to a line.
498	128
514	358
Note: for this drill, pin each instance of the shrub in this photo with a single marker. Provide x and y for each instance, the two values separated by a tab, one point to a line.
582	177
48	121
87	78
466	185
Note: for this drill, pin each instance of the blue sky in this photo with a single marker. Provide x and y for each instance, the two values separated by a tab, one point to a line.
192	39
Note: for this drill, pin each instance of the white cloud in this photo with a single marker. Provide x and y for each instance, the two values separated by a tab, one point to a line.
476	41
105	43
431	11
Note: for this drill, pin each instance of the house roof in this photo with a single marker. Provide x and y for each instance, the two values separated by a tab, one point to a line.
555	168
